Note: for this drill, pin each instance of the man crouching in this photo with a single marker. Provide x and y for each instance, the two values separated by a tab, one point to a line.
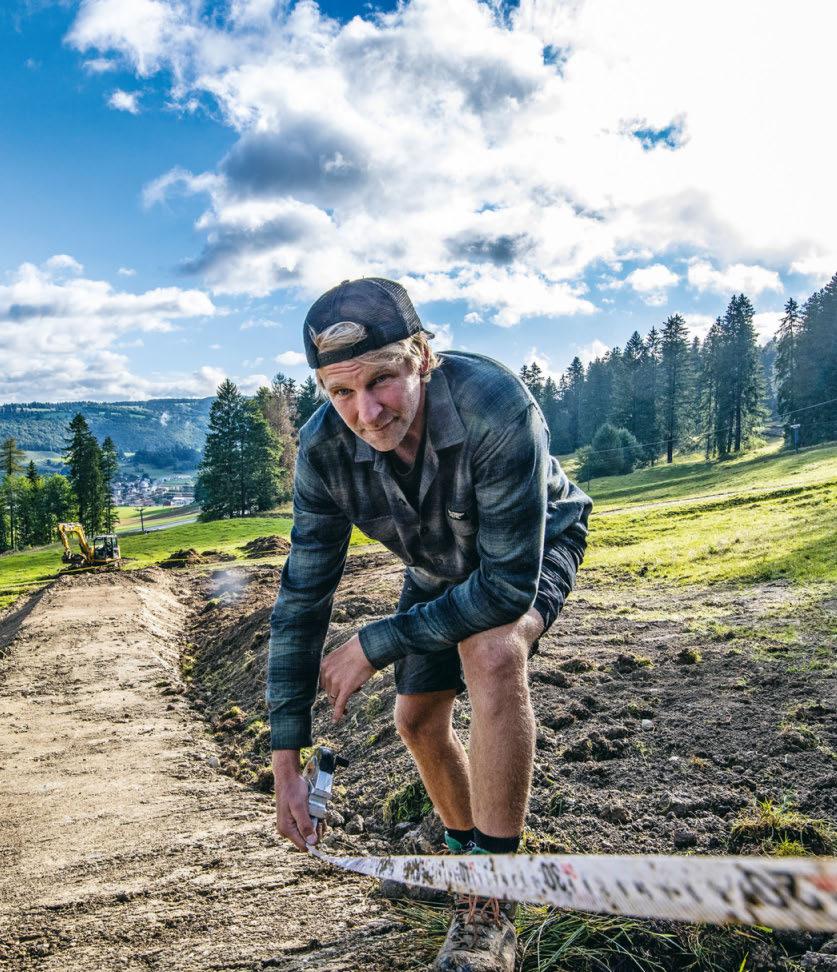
445	460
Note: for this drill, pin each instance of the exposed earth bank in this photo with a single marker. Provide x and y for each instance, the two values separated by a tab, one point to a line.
135	820
123	845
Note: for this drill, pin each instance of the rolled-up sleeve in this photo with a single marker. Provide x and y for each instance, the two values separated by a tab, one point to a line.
301	614
509	475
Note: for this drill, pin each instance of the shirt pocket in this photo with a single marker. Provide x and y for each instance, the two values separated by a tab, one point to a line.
462	521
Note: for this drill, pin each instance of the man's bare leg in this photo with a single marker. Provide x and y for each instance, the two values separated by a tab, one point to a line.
424	723
502	743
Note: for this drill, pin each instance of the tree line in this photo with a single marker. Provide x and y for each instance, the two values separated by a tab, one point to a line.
250	451
665	393
806	366
32	506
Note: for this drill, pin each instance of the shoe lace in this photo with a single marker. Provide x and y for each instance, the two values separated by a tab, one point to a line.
475	920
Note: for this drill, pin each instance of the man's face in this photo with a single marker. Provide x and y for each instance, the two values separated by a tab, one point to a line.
379	403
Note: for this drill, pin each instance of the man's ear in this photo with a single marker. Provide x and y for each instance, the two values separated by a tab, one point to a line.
424	367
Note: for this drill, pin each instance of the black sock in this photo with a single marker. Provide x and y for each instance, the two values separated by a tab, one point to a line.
495	845
463	836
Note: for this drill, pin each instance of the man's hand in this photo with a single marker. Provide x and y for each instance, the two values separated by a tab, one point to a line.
292	818
342	673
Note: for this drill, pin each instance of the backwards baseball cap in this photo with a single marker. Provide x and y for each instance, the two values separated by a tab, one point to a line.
381	306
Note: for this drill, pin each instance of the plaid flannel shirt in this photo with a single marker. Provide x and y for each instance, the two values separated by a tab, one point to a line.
491	498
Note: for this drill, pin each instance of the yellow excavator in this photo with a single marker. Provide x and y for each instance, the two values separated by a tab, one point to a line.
104	550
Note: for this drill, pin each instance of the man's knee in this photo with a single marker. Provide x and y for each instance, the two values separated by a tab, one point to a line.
500	654
425	718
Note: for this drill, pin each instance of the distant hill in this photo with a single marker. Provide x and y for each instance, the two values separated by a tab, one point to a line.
154	425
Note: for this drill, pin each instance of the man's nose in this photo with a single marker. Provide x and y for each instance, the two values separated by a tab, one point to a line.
368	409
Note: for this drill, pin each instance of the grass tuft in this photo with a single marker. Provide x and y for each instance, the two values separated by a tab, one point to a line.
408	802
766	827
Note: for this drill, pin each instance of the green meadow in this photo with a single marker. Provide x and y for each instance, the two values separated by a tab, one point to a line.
769	514
763	516
27	570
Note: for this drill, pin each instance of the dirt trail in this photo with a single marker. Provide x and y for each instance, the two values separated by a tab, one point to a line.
122	844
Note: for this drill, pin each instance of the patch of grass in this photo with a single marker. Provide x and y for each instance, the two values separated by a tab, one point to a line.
766	826
408	802
373	706
747	537
692	476
553	940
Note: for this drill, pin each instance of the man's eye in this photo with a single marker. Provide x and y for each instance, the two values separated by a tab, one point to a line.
341	392
380	378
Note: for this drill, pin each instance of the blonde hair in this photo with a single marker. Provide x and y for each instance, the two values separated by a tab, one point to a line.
414	350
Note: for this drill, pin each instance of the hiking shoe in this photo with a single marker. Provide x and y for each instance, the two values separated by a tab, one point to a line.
481	937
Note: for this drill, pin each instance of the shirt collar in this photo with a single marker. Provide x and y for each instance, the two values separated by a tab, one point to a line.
444	426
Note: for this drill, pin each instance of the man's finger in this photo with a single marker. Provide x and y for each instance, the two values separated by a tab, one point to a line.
340	706
289	829
303	822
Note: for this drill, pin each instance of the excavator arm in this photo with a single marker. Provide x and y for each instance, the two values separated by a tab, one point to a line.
67	530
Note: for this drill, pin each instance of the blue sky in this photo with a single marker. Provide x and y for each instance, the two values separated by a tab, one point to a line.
178	184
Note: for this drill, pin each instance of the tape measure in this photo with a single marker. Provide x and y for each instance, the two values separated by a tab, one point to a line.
786	892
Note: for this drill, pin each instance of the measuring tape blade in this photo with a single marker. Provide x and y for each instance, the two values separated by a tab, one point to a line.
792	893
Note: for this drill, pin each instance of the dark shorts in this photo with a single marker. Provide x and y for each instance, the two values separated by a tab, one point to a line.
435	671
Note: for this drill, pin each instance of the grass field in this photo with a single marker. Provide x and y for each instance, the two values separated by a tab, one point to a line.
27	570
154	516
766	515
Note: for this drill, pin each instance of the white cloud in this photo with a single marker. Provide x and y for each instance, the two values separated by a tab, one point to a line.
766	324
699	324
214	347
589	352
652	283
62	262
738	278
99	65
442	339
821	267
433	144
126	272
290	358
125	101
59	331
472	317
256	322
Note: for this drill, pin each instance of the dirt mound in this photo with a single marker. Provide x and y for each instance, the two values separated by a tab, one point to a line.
191	558
267	547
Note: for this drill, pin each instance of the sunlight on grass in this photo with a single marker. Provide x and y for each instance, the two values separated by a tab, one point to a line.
27	570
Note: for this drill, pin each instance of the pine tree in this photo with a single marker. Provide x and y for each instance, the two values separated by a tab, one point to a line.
239	472
11	463
217	488
711	357
59	504
572	401
83	456
109	467
816	411
787	359
646	421
627	391
596	397
676	384
533	378
261	471
278	406
307	402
